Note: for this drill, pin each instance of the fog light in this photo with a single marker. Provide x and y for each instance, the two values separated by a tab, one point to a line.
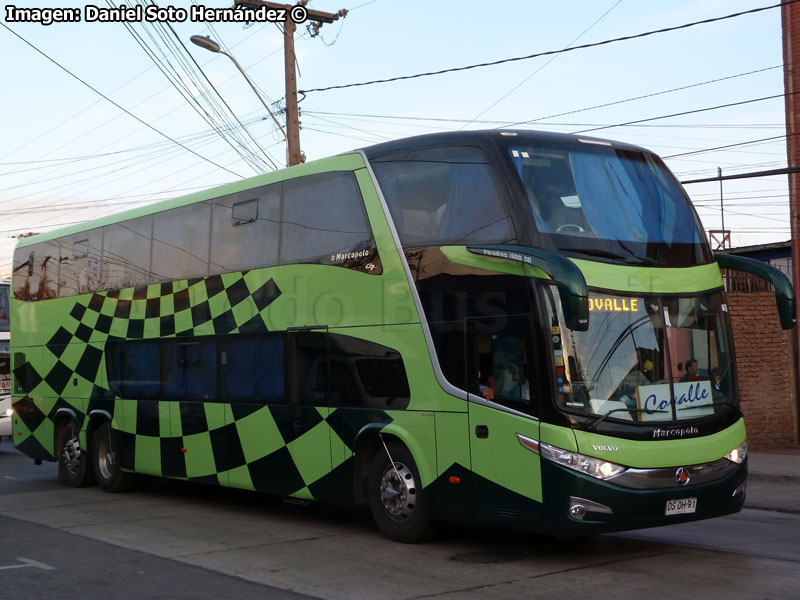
577	511
578	507
742	489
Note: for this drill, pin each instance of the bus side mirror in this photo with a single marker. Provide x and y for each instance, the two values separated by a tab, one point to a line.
569	279
784	294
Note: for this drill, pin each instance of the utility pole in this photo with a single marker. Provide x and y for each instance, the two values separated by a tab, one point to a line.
293	154
721	199
790	24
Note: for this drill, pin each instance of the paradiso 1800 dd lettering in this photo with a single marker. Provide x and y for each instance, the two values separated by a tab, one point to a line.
460	350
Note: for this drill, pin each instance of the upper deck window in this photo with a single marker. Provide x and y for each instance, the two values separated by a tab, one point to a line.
606	201
443	196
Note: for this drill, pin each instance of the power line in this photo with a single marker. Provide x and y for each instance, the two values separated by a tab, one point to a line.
230	110
550	52
165	66
552	58
56	162
785	171
777	137
686	112
99	93
677	89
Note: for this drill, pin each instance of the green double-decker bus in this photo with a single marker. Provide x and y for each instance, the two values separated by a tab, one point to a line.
505	327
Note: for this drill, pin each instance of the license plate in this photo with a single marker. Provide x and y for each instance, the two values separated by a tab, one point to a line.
680	507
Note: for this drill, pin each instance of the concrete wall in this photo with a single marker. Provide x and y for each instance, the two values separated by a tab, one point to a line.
766	365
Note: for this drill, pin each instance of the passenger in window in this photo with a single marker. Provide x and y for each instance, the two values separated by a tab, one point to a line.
692	371
486	387
511	382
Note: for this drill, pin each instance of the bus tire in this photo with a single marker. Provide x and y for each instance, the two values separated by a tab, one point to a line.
110	476
73	461
396	497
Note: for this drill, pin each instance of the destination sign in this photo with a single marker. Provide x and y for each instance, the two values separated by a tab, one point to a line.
614	304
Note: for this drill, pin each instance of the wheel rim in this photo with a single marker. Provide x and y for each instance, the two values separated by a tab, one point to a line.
398	492
71	454
105	458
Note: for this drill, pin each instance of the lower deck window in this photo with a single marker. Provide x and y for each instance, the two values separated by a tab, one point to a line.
302	367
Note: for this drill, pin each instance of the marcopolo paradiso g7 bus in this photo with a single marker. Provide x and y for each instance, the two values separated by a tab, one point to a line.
505	327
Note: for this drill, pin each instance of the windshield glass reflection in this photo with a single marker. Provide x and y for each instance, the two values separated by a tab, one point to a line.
608	202
645	359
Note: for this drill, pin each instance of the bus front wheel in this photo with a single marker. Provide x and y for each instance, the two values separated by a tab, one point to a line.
73	460
107	470
396	498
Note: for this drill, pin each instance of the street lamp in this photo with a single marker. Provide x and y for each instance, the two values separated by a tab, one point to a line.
208	44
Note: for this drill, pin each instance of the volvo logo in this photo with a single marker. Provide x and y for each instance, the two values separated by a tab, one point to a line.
682	476
605	448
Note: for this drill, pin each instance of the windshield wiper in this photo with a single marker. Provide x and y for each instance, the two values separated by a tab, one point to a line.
601	418
630	259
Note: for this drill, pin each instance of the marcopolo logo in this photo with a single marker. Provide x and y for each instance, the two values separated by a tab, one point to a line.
682	476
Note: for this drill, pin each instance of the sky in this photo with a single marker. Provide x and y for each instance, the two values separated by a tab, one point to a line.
122	123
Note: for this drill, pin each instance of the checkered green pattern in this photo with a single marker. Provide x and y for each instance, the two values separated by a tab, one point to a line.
266	448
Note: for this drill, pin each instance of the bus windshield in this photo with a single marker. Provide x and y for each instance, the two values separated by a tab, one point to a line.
601	201
646	359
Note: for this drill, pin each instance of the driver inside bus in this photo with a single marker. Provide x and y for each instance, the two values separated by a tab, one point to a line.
640	374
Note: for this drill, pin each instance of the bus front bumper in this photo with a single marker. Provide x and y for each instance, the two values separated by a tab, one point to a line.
577	504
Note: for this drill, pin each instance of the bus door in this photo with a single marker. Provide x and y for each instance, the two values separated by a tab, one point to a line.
502	384
302	422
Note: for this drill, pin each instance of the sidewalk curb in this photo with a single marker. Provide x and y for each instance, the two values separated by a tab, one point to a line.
773	478
784	511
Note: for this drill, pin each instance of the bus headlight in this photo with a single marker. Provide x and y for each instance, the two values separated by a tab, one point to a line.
738	454
589	465
9	412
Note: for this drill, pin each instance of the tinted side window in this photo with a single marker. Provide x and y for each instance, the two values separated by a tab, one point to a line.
180	242
323	215
253	369
500	361
126	253
375	374
246	230
190	369
343	371
443	196
308	367
483	335
36	271
133	369
80	262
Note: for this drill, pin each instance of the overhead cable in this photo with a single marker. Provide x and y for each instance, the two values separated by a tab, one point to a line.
127	112
549	52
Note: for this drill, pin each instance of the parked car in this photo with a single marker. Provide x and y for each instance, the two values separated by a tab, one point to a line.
5	417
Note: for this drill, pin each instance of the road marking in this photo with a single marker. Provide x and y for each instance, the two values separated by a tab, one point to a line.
27	562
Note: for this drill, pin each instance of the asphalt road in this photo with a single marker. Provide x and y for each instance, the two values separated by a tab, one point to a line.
176	540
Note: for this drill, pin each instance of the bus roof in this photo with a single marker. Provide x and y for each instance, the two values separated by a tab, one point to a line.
487	136
348	160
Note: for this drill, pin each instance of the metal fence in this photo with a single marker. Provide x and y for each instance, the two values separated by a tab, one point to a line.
739	281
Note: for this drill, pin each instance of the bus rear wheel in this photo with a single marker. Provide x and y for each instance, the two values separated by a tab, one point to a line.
396	498
73	460
107	470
